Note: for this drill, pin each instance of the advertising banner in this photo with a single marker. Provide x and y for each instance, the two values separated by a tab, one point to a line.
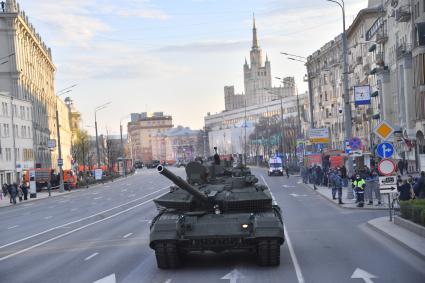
319	135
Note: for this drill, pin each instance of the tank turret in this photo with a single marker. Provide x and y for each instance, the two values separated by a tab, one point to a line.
179	182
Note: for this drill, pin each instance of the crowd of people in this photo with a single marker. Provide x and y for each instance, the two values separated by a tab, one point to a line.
15	191
364	183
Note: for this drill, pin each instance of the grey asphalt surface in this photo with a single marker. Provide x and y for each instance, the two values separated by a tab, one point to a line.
104	231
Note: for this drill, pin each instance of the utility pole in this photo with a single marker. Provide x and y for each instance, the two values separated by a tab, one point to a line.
347	105
60	160
95	126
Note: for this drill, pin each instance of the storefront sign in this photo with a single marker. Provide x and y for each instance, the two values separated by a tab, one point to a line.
319	135
374	28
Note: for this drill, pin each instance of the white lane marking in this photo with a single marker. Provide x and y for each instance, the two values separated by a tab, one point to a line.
108	279
94	193
73	209
98	198
64	201
48	217
297	267
127	235
168	280
233	276
123	190
79	220
75	230
363	274
28	204
108	186
91	256
13	227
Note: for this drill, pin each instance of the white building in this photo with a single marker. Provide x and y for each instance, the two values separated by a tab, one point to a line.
28	74
226	129
16	138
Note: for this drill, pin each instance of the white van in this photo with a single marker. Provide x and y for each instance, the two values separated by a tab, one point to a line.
275	166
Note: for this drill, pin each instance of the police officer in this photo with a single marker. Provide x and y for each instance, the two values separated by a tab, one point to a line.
359	186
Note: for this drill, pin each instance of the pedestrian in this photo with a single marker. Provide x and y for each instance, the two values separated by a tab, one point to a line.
19	190
338	183
13	193
287	171
24	190
406	191
359	186
49	188
400	166
372	188
419	187
4	190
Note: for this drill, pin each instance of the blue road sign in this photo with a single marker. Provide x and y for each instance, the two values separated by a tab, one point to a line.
385	150
355	143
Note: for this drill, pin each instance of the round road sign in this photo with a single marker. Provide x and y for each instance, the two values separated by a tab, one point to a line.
386	167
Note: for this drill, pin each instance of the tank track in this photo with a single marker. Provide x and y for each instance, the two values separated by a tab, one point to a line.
268	251
167	255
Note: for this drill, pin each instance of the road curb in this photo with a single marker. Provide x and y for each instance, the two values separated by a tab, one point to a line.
341	206
65	193
393	238
37	199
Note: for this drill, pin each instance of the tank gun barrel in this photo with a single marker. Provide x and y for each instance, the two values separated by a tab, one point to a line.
182	184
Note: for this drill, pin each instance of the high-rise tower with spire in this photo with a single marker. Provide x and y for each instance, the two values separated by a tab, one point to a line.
257	75
257	80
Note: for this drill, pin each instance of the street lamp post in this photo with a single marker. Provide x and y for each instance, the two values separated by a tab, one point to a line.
122	147
95	126
281	118
60	160
347	105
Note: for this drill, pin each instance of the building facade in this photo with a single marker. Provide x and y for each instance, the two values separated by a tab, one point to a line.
226	130
257	81
385	53
418	59
180	143
141	129
16	138
28	74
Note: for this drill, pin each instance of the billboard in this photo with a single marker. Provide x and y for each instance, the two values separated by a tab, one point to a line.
319	135
362	95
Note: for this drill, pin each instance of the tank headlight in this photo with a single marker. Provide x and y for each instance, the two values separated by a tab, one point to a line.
245	226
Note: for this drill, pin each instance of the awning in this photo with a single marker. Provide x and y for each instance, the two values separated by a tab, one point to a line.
373	71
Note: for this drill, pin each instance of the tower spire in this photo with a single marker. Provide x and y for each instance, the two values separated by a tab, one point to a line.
254	33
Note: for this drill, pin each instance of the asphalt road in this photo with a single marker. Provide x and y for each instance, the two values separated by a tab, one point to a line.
102	233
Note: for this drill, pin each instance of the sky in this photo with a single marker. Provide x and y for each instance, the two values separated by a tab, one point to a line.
174	56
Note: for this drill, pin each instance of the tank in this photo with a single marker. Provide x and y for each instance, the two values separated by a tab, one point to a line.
217	208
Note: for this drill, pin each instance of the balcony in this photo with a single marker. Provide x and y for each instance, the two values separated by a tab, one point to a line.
379	59
359	60
403	14
381	37
403	49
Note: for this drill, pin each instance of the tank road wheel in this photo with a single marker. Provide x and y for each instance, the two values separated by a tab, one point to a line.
268	253
166	255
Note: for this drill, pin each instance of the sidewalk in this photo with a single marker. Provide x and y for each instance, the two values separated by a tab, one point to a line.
349	203
410	240
40	195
